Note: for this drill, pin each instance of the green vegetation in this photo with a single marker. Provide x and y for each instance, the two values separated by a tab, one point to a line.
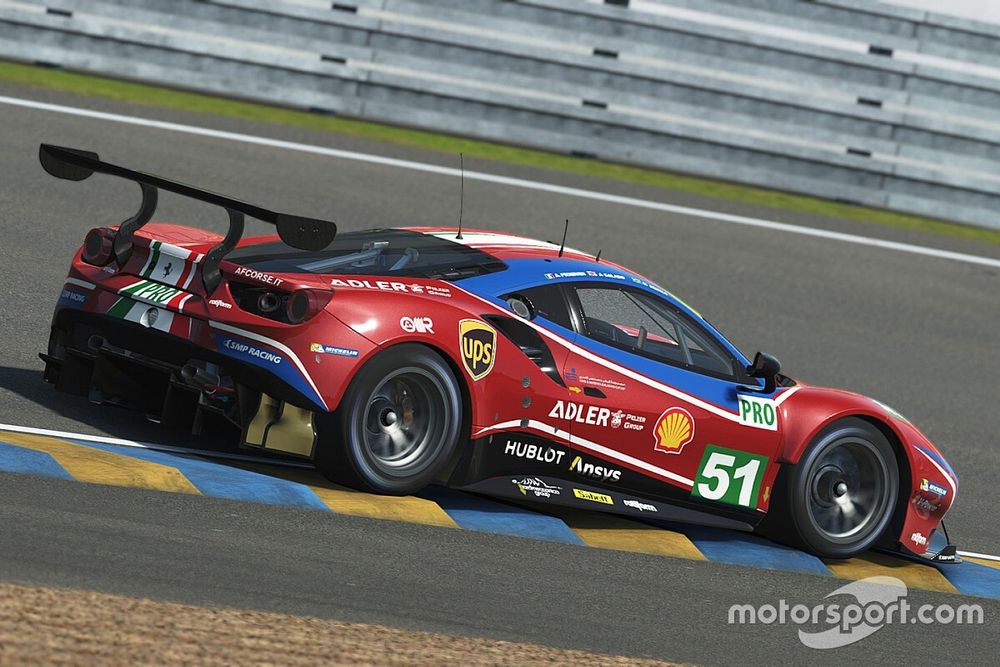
173	99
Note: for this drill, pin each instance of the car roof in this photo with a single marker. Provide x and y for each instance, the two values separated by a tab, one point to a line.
504	246
531	262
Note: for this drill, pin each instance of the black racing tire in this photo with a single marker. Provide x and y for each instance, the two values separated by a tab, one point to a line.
397	425
838	500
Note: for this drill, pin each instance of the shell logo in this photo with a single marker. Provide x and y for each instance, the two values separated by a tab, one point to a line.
674	429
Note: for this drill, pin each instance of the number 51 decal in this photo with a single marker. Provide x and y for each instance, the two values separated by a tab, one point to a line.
729	476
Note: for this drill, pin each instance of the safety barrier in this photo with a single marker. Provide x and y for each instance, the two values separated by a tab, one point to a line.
845	99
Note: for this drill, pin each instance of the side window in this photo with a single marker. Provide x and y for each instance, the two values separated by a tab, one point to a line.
645	325
548	302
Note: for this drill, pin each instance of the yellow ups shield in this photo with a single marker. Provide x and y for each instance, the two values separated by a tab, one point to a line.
478	341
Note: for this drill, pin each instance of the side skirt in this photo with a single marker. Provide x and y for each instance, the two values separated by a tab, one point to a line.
529	468
564	493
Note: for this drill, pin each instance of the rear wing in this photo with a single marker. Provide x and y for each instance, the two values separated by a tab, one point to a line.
73	164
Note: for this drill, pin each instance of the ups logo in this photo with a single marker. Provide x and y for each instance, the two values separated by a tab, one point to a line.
478	341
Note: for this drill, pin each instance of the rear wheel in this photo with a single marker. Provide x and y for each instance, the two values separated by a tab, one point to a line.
840	497
397	425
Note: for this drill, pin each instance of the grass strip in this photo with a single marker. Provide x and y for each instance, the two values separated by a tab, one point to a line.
156	96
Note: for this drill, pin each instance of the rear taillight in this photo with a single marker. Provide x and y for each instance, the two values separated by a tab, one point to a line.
98	246
304	304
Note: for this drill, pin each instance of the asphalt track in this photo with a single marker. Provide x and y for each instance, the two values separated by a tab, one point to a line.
918	333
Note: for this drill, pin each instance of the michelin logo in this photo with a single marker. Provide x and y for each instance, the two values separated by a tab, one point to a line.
319	348
931	487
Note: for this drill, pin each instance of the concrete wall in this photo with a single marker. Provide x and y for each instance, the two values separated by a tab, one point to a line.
846	99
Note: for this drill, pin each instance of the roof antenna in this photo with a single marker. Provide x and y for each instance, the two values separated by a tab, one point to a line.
461	196
563	245
598	257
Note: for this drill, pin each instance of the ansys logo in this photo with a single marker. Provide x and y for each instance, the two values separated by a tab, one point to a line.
478	341
674	429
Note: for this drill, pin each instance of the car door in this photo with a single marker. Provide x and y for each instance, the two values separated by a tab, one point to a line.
655	391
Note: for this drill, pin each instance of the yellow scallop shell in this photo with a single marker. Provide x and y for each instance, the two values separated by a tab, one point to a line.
674	430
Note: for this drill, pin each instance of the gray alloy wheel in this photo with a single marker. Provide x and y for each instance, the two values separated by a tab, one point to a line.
406	415
397	425
843	492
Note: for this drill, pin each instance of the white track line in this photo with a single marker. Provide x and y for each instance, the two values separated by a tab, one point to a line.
973	554
506	180
147	445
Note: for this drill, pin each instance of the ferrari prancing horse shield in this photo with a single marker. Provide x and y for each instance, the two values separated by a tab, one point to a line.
478	341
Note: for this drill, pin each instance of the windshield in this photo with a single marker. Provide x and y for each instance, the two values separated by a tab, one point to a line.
383	252
644	325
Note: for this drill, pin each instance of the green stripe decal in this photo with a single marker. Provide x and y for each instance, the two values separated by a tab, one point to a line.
121	307
154	249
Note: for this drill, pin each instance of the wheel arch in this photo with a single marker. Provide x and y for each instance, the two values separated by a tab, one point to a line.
777	522
800	439
335	463
461	380
892	531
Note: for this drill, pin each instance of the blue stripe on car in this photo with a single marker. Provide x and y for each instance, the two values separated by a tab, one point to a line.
527	273
941	462
268	358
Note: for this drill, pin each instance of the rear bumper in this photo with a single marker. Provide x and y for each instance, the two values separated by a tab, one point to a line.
117	362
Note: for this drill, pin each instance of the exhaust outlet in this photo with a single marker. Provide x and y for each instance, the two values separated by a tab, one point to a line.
201	378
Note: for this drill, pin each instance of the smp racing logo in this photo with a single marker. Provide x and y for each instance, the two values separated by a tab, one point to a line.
478	341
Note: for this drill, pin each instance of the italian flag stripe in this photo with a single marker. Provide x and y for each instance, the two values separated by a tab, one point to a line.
154	257
154	293
184	279
121	307
133	287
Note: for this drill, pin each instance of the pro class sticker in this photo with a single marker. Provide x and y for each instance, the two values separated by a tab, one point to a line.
478	341
758	412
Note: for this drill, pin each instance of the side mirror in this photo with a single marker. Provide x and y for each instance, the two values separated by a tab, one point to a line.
765	366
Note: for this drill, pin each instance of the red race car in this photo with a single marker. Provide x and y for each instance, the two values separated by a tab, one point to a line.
397	358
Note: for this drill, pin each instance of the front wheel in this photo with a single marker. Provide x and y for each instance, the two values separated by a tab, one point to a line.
840	497
397	425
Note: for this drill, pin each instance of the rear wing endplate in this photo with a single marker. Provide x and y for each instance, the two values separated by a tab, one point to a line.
73	164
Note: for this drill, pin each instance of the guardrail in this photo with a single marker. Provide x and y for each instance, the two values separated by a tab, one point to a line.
845	99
